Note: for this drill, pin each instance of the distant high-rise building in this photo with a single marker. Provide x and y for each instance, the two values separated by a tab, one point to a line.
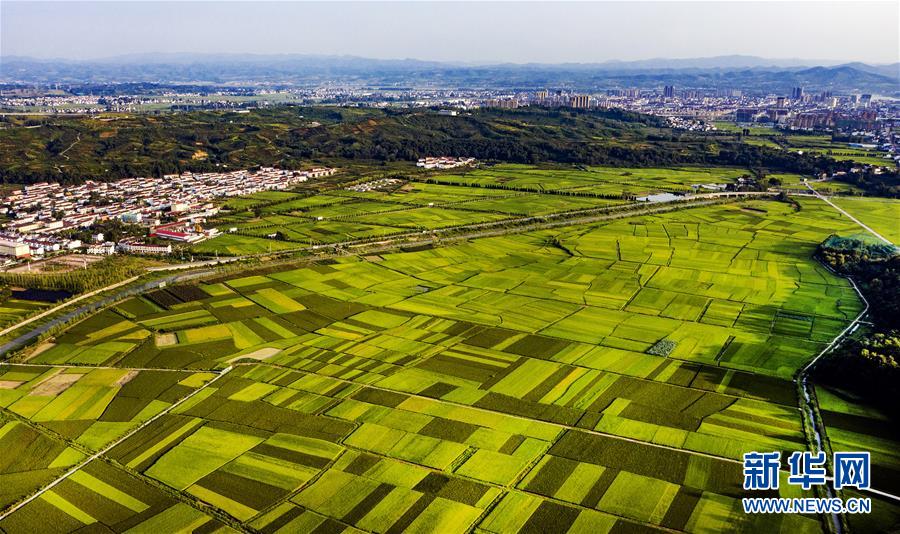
580	101
669	91
505	103
797	93
541	95
865	100
779	102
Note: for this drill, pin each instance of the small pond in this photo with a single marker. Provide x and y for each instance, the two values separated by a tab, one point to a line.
40	295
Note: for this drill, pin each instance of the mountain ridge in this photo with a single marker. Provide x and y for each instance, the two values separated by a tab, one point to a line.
750	72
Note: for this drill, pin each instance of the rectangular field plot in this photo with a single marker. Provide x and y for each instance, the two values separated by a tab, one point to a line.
12	310
657	486
537	204
238	244
234	450
428	218
382	495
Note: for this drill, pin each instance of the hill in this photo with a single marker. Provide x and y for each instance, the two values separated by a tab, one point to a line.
72	149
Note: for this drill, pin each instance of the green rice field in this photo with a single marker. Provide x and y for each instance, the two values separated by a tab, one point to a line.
273	221
882	214
596	378
614	181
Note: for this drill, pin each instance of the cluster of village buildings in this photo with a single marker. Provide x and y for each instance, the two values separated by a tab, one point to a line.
444	162
375	185
41	213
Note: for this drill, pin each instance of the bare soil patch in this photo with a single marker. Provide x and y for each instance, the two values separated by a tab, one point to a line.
56	384
166	340
126	378
260	354
60	264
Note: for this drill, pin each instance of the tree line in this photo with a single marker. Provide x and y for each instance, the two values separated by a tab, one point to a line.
99	274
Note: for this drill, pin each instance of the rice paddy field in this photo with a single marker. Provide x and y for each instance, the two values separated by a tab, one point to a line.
853	426
596	378
272	221
613	181
54	417
882	214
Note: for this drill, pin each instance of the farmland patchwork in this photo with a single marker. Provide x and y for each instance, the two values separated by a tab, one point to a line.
601	378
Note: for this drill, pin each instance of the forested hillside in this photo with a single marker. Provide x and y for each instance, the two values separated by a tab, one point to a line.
72	149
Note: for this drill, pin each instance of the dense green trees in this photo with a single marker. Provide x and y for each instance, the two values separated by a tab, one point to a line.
868	365
99	274
876	268
885	184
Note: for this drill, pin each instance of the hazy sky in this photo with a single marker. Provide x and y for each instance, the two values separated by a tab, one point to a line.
462	31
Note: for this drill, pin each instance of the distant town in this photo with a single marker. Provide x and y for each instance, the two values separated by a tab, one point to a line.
858	115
